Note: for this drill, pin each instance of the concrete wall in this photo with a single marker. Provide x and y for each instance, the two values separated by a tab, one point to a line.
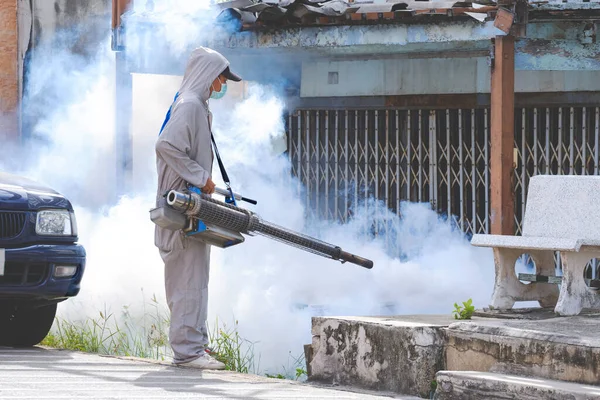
406	76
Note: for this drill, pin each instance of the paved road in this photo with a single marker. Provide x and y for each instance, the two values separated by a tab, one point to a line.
55	374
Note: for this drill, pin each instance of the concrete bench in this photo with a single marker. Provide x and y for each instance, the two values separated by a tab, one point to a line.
562	214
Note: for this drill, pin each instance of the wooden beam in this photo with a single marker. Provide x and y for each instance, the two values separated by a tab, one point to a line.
502	137
118	8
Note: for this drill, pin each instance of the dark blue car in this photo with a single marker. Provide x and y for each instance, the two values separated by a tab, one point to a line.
41	263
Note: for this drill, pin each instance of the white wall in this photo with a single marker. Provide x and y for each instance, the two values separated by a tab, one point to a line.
388	77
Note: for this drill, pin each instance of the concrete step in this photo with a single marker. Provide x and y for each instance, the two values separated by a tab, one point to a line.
556	348
402	354
395	354
455	385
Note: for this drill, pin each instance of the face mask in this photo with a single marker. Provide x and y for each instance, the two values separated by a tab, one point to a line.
217	95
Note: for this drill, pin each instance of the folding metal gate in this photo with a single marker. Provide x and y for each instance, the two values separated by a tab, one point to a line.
346	157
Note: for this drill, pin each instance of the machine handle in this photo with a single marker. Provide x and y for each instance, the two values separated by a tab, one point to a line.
225	192
247	200
354	259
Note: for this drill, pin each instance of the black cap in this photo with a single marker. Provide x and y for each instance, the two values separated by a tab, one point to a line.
230	75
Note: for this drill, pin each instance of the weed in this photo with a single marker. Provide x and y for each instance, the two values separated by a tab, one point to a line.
294	370
227	346
105	335
278	376
147	337
465	311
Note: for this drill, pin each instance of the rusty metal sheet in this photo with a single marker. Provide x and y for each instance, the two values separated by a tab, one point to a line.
504	20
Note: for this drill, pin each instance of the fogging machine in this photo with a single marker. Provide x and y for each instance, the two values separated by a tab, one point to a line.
223	224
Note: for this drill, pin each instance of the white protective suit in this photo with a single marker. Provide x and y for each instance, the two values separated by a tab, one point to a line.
184	155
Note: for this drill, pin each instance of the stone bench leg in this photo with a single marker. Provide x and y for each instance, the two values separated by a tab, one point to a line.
508	289
575	295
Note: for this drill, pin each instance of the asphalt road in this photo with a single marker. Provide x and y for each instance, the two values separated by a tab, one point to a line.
41	374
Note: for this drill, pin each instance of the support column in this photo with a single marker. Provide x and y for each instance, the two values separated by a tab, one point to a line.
502	137
123	137
9	74
123	102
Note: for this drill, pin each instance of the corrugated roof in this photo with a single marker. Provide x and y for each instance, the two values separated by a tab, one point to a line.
253	14
249	14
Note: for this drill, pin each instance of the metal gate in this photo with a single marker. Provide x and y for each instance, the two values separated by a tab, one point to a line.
344	158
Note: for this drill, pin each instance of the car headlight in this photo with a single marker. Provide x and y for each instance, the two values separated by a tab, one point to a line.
55	223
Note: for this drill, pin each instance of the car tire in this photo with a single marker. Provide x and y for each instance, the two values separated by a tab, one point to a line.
26	326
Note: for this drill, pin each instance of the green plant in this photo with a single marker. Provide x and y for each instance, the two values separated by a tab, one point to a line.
300	372
294	370
105	335
145	334
278	376
433	388
465	311
228	347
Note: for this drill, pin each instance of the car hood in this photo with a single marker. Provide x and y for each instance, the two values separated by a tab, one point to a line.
20	193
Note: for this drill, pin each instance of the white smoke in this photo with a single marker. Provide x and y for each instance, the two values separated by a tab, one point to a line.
270	288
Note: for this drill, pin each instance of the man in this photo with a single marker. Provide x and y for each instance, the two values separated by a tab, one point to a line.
184	156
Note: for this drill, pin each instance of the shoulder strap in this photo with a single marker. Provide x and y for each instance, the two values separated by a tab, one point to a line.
221	165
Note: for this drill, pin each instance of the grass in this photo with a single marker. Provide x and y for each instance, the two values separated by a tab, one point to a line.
107	334
227	346
294	371
147	337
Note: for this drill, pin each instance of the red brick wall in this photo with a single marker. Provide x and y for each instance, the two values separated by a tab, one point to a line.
9	79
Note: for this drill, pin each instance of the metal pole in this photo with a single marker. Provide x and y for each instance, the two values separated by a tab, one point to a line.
346	167
299	151
535	142
571	142
409	157
596	137
583	142
547	141
461	170
387	158
376	143
356	158
432	161
523	160
560	143
337	165
307	119
420	156
397	164
448	165
318	172
486	147
473	175
366	150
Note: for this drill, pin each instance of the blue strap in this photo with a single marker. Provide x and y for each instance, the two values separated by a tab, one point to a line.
168	116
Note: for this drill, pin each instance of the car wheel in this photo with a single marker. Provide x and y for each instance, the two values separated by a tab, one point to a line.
26	326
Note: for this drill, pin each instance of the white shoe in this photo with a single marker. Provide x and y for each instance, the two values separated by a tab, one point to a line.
204	362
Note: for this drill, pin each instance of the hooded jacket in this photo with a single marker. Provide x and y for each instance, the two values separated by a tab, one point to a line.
183	150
